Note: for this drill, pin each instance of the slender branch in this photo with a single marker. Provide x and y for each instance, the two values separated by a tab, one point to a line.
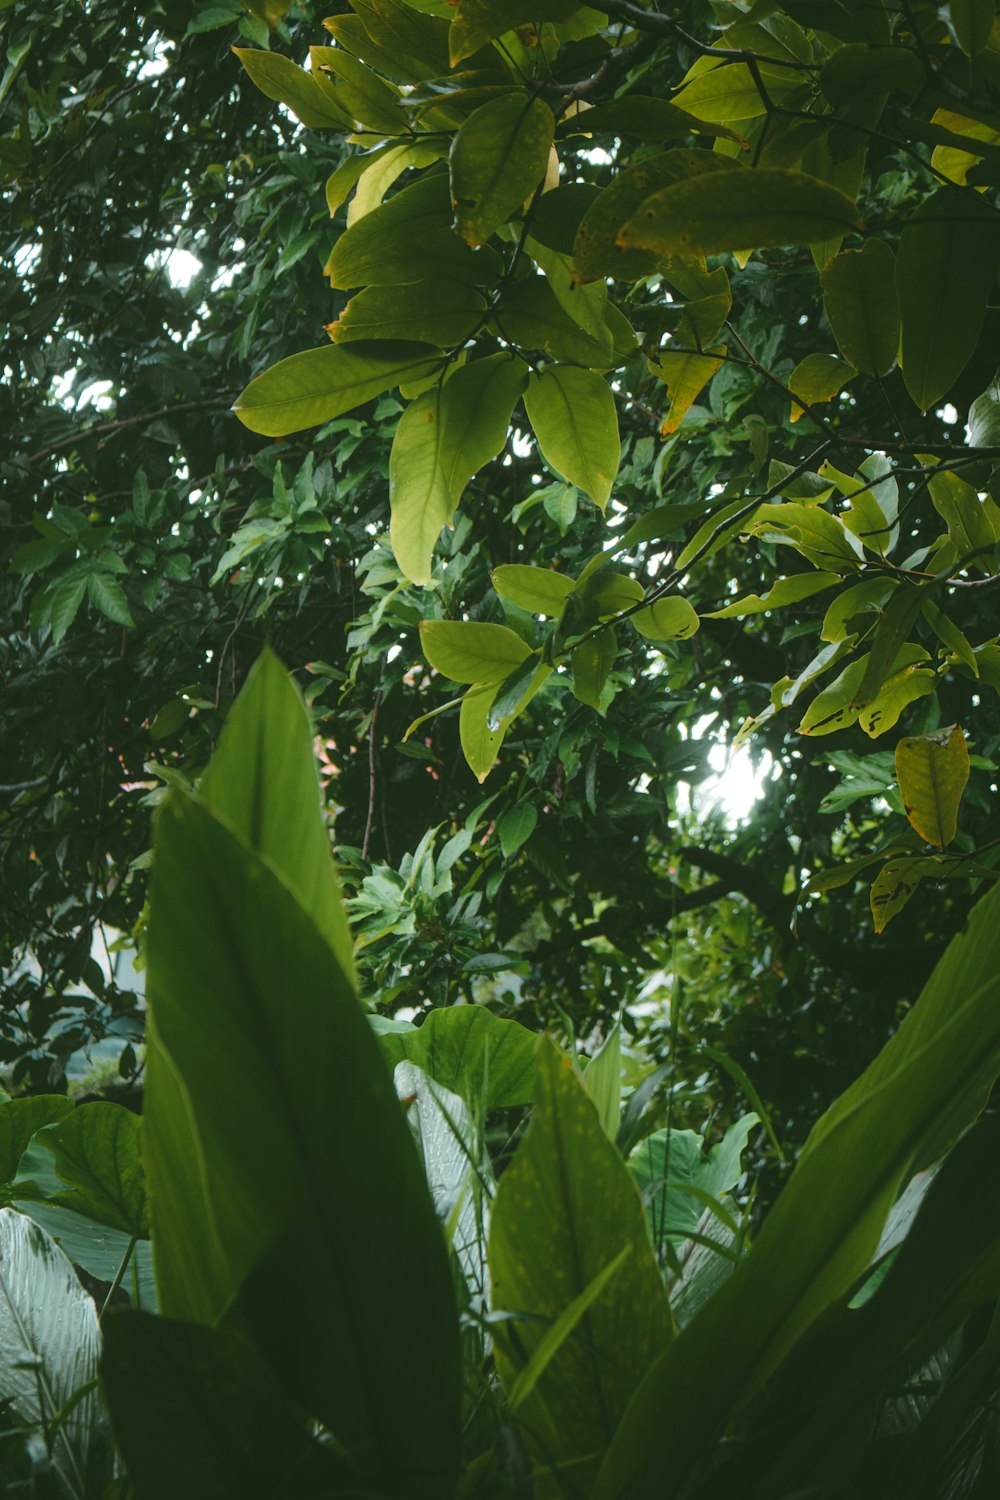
99	429
365	842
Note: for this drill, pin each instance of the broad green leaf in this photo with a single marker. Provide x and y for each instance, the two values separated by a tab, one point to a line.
970	23
642	115
946	266
471	650
51	1344
969	521
845	615
670	619
573	416
480	21
430	312
480	744
893	886
197	1412
313	101
542	591
932	771
515	826
19	1119
861	75
228	945
320	384
960	144
107	595
818	378
384	167
466	1049
668	1163
97	1154
531	316
718	93
784	592
767	206
592	661
984	417
860	300
498	158
820	537
894	626
895	696
62	605
419	40
596	249
371	102
565	1209
442	439
873	512
685	375
96	1247
928	1083
602	1078
952	638
263	782
409	238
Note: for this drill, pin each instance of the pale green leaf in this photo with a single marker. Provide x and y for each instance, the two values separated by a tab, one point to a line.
572	413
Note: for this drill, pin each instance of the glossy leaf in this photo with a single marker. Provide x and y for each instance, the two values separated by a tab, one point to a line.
926	1085
768	206
860	300
498	158
472	651
947	263
542	591
320	384
932	771
573	416
565	1208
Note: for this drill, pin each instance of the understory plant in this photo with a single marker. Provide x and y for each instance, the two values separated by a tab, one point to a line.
350	1272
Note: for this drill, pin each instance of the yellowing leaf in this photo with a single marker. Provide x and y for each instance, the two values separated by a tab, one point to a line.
893	887
767	206
432	312
573	415
498	158
471	650
721	92
320	384
859	295
932	771
685	375
313	100
817	378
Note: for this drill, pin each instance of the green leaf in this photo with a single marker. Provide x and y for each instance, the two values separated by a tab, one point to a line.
860	300
531	316
36	556
51	1343
592	661
107	594
723	92
669	1163
19	1119
442	439
63	604
932	771
409	238
229	944
98	1156
197	1412
565	1209
541	591
479	742
480	21
596	248
602	1078
572	413
767	206
466	1049
472	651
671	619
946	266
895	624
320	384
817	378
970	23
970	525
369	99
928	1083
312	101
514	827
984	420
785	591
820	537
498	158
430	312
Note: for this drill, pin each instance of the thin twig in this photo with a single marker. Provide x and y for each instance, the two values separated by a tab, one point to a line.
371	776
